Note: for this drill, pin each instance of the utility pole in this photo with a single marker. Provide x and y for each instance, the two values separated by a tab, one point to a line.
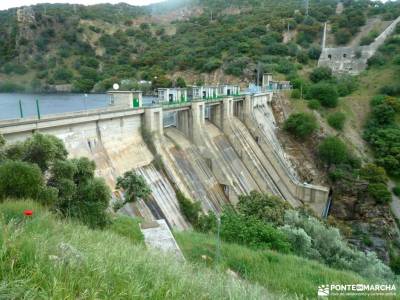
307	6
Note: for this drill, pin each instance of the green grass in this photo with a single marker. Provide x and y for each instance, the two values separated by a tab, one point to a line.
43	257
277	272
127	227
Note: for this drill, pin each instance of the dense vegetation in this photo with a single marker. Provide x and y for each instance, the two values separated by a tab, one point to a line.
92	47
38	168
261	221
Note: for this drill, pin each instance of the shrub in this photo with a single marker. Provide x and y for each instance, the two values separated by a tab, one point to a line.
333	151
379	192
377	60
252	232
191	210
342	36
301	125
90	203
314	52
336	120
396	190
346	85
296	94
48	196
373	173
134	186
328	246
267	208
324	92
321	73
391	90
62	75
20	180
314	104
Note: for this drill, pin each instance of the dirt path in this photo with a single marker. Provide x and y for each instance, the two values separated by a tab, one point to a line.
395	204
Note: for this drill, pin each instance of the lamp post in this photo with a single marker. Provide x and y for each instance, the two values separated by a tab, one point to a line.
218	250
21	113
38	108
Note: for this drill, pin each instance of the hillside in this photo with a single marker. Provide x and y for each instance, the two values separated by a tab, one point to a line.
47	257
44	257
85	48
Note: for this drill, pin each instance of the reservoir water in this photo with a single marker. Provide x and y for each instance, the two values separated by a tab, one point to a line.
52	103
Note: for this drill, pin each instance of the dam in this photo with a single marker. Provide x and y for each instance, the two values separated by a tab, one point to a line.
213	145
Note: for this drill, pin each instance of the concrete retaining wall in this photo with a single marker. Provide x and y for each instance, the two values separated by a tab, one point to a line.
352	60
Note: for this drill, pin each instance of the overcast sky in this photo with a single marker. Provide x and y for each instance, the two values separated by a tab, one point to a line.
4	4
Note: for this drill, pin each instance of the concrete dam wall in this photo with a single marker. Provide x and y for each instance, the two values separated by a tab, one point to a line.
214	153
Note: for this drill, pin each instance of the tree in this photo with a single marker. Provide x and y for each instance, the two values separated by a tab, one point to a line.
134	185
325	93
321	73
180	82
20	180
336	120
314	52
90	203
43	150
301	125
342	36
84	169
333	151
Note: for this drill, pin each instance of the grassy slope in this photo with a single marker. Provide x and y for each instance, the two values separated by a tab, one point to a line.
278	272
37	262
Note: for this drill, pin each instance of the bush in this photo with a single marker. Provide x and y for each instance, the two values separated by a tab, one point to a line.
396	190
314	52
267	208
324	92
346	85
328	246
20	180
90	203
252	232
333	151
377	60
134	186
301	125
314	104
342	36
191	210
321	73
373	173
336	120
296	94
379	192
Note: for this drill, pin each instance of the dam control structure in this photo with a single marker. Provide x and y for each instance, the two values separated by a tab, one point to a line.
212	149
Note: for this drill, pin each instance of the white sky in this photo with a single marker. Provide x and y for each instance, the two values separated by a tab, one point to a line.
5	4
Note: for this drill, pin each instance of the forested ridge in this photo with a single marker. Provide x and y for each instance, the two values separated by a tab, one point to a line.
90	47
